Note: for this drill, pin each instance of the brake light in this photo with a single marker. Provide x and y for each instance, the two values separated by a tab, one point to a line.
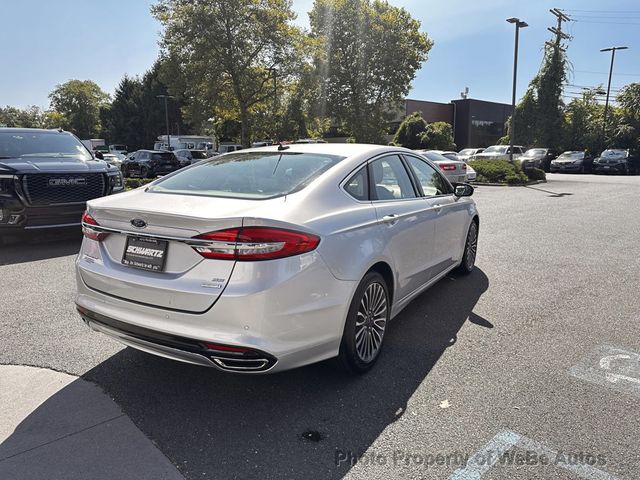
87	231
447	166
226	348
255	243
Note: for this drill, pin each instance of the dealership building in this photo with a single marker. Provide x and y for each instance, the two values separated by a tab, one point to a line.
476	123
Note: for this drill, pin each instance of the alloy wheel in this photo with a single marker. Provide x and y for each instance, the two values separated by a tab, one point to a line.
472	247
371	322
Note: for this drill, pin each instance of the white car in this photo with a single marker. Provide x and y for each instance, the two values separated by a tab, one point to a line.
499	152
268	259
467	154
452	168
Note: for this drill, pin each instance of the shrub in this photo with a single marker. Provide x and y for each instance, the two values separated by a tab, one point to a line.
493	171
503	171
131	183
518	178
535	174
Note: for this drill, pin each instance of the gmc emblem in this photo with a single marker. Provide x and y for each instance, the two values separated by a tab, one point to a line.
57	182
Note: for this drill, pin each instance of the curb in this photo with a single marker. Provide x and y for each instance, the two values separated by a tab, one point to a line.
480	184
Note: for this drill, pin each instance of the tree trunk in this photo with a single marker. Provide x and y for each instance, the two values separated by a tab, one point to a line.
245	127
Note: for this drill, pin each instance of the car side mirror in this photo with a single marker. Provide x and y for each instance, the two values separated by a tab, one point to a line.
463	190
99	156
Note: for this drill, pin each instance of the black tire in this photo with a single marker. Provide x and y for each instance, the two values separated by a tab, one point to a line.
125	172
144	172
470	249
362	341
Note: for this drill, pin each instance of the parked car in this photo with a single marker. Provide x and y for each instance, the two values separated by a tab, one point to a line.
113	159
471	173
150	163
499	152
46	178
615	160
467	153
187	157
454	170
228	147
572	161
537	158
262	143
310	140
268	259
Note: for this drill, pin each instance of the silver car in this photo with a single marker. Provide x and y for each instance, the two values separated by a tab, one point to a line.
455	170
268	259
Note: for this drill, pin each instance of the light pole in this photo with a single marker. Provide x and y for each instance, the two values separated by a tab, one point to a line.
519	24
606	103
166	117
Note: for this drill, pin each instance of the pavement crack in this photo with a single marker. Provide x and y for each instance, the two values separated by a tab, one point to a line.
62	437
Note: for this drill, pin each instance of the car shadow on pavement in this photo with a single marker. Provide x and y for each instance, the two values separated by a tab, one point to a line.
39	246
293	424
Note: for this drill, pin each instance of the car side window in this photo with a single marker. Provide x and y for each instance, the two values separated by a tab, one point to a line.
390	180
143	156
431	181
358	185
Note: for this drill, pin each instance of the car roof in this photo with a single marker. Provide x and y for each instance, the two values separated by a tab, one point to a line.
341	149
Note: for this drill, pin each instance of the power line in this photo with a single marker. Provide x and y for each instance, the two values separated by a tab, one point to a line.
599	11
606	73
607	23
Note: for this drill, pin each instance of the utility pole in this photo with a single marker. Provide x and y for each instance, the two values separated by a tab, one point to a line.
519	24
606	102
557	30
166	117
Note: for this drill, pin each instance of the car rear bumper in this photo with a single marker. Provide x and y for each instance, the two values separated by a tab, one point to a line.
293	321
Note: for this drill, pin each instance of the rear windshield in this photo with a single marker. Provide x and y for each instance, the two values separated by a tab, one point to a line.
162	156
198	154
248	175
42	144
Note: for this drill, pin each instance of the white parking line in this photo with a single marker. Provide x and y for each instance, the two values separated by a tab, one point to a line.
611	367
498	446
486	457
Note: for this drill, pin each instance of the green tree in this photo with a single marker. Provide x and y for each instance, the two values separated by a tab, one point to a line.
626	133
30	117
79	102
136	115
411	132
438	136
371	53
228	52
583	124
539	115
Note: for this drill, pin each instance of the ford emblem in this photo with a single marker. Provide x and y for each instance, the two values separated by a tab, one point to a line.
138	223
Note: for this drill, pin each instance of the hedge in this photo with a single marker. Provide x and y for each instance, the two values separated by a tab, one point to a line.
503	171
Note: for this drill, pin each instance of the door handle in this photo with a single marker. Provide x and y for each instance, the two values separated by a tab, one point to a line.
391	219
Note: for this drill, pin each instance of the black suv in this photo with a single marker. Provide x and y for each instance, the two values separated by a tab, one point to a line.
150	163
46	178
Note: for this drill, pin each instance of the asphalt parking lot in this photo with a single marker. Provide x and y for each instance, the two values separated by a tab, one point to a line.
536	351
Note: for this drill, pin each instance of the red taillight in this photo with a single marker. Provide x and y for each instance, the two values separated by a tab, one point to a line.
87	231
447	166
226	348
255	243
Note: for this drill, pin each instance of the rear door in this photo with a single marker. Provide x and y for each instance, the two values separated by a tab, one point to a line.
450	214
407	222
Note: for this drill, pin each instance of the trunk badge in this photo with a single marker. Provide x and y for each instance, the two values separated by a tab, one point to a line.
138	223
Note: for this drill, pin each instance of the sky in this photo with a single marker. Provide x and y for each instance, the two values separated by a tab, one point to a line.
45	43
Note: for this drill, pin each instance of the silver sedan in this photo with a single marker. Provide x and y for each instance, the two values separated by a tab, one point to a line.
268	259
455	170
